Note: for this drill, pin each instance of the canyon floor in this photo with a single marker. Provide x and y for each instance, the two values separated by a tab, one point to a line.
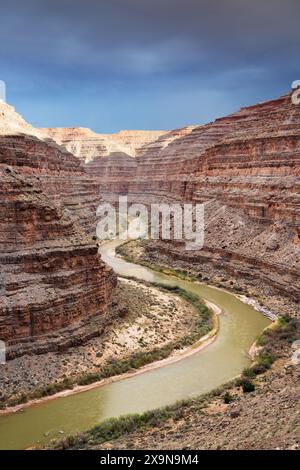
143	317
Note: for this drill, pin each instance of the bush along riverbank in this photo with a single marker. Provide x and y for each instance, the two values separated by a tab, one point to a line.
256	410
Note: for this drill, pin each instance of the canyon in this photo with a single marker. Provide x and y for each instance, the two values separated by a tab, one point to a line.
244	168
88	145
59	298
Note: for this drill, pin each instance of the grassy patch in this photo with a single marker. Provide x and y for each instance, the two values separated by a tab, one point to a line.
247	386
274	342
228	398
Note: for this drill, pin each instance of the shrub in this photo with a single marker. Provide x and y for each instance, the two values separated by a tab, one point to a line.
228	398
249	372
247	386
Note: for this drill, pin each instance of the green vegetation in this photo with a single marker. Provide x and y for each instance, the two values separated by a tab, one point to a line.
228	397
249	372
247	386
122	250
273	342
114	428
203	326
263	363
128	255
49	390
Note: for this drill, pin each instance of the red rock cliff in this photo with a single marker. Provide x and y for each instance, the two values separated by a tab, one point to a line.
245	167
88	145
54	289
52	279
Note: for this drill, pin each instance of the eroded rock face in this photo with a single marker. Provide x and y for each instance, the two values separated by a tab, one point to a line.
52	278
12	122
88	145
113	174
245	167
109	158
58	173
54	289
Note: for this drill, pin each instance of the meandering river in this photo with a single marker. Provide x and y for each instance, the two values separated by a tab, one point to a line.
218	363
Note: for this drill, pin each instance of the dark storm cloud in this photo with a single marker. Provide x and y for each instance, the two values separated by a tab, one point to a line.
128	47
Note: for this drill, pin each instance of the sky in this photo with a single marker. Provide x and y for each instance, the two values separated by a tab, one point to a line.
145	64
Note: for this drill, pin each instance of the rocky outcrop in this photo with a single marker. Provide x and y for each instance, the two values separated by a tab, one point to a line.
53	281
88	145
57	172
12	122
54	289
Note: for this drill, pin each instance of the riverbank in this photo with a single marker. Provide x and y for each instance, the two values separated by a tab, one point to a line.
257	295
174	357
145	316
234	416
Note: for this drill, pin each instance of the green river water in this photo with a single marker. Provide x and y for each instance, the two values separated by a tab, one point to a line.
218	363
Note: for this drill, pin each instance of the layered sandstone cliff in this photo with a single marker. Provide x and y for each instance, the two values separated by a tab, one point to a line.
113	175
88	145
54	289
52	280
245	167
57	172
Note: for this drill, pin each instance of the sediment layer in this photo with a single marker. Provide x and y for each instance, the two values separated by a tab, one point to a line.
88	145
51	275
53	281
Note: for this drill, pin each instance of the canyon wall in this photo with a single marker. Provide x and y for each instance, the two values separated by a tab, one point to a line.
57	172
52	280
55	289
245	168
88	145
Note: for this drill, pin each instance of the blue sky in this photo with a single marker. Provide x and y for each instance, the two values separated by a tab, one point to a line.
145	64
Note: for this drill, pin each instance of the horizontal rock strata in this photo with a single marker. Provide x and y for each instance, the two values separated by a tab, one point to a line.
88	145
245	167
51	275
57	172
54	289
